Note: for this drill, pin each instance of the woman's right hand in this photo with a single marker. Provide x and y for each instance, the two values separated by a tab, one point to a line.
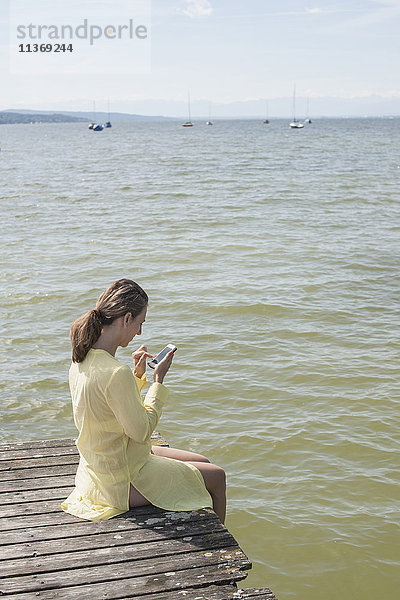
162	368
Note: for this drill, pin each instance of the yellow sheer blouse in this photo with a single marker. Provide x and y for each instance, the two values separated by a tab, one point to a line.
114	443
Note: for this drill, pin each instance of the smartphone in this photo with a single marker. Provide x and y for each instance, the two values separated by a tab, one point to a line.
154	362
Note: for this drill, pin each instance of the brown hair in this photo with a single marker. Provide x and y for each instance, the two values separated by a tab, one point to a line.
122	297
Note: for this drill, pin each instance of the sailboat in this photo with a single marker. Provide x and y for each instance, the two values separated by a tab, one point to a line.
266	120
295	124
95	126
107	125
189	122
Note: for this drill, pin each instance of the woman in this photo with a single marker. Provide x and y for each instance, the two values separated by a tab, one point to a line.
118	467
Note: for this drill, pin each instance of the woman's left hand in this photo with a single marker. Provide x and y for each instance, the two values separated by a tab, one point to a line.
139	361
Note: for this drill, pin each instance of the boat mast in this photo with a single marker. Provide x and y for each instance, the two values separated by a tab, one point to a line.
294	103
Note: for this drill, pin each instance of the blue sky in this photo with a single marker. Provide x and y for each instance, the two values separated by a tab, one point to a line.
227	51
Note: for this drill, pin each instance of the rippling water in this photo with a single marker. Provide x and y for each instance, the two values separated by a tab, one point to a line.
271	258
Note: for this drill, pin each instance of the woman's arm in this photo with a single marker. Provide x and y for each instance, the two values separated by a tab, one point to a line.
138	420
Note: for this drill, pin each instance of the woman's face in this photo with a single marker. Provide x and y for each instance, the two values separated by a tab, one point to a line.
135	324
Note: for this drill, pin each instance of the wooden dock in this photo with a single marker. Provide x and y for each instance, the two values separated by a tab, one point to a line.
146	553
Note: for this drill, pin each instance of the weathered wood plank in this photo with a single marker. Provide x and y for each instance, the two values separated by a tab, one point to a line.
39	508
11	474
39	514
24	485
133	587
15	446
33	463
63	525
213	592
235	565
6	455
22	497
24	512
210	592
92	557
202	532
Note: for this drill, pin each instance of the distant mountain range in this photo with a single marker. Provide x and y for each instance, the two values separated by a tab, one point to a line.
42	116
278	108
368	106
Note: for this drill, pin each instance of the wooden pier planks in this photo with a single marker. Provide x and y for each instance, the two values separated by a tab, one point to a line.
147	553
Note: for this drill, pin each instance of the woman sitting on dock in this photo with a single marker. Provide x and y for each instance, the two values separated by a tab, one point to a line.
118	467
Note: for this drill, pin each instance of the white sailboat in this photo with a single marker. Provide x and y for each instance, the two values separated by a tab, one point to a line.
93	123
189	122
295	124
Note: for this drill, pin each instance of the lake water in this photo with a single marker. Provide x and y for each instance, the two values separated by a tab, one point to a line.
271	258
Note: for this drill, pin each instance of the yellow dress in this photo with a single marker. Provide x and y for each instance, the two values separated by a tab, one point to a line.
115	426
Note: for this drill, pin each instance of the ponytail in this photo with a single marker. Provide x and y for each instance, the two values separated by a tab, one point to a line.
122	297
85	332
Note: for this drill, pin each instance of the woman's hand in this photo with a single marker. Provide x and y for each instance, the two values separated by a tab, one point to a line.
139	361
162	368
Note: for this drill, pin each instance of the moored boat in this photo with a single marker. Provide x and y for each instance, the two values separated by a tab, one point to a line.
189	122
107	124
295	124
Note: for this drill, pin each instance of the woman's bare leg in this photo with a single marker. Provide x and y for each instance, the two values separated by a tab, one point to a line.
136	499
176	454
214	477
215	482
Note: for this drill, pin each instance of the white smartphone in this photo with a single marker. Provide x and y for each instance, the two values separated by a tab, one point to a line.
154	362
